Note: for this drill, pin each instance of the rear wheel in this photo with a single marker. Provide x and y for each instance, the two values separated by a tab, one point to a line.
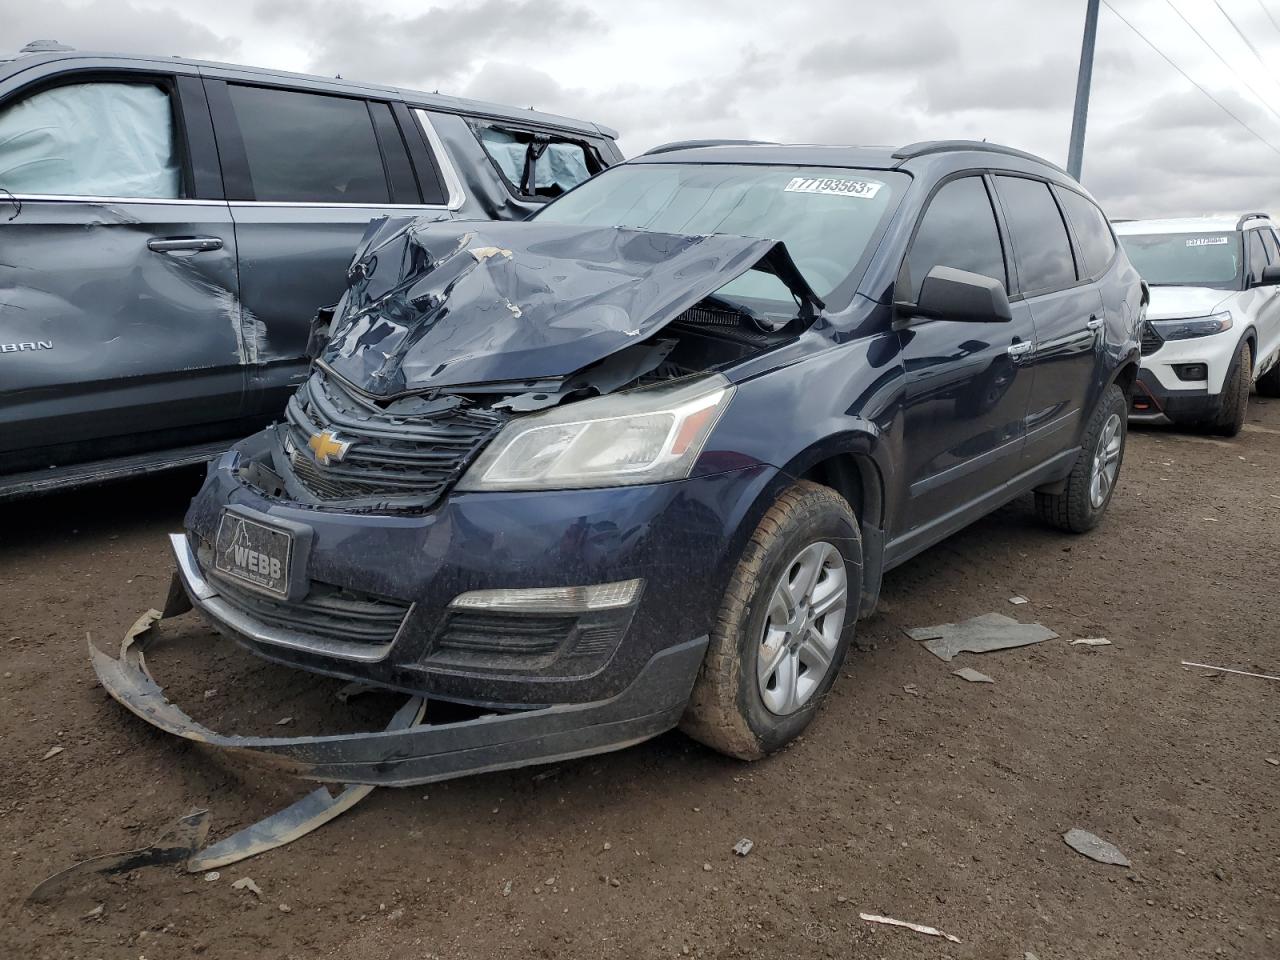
1235	393
1088	489
783	626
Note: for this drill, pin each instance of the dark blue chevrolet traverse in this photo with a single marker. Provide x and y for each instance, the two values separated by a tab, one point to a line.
642	460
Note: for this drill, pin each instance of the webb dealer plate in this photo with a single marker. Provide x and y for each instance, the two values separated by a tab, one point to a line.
256	553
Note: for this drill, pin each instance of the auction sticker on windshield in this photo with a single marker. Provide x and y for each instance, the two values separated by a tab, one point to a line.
1205	241
834	186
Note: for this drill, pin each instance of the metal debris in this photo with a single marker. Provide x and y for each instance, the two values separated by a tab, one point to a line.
917	927
1018	600
1091	642
743	847
1095	848
284	721
972	675
1242	673
53	752
990	631
246	883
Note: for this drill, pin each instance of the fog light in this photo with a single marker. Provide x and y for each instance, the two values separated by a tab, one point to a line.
1191	371
600	596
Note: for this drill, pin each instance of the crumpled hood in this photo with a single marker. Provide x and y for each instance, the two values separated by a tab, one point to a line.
1178	303
443	304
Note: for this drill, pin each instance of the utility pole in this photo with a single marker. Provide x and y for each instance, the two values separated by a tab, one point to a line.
1075	153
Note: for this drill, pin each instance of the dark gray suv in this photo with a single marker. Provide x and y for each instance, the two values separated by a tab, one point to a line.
169	228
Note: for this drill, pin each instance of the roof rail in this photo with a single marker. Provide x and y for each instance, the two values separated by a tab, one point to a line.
694	144
45	46
926	147
1251	216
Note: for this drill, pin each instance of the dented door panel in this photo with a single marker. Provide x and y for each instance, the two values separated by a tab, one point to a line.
133	341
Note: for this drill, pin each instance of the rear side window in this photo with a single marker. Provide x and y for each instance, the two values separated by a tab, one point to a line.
1093	233
1040	241
1256	253
537	164
309	148
91	140
958	230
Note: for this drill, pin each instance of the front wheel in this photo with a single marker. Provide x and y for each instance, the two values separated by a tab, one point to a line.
1235	393
783	626
1092	481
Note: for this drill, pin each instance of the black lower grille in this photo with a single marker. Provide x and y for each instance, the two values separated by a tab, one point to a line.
1151	341
499	633
504	640
376	459
326	611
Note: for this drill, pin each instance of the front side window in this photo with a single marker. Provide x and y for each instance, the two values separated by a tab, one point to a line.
1040	242
826	216
958	230
1093	233
537	164
1186	259
91	140
308	148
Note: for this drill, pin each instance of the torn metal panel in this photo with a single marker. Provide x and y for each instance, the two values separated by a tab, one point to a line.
1095	848
444	305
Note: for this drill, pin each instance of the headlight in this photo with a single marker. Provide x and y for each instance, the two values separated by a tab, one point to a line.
640	436
1194	327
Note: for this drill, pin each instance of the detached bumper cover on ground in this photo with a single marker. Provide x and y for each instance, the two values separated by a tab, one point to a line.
412	753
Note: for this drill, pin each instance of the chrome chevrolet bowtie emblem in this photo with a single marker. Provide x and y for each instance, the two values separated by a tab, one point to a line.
327	447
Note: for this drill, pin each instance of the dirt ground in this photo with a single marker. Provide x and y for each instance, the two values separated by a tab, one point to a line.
915	794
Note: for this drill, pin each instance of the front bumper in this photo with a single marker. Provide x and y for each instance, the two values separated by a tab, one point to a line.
681	538
409	752
1153	402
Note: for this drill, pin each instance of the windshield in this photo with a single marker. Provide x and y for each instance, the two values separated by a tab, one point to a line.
826	216
1186	259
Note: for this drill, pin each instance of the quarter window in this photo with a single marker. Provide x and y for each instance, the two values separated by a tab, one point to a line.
1040	243
91	140
308	148
1093	233
958	230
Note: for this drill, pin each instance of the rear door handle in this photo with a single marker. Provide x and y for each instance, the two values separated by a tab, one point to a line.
175	244
1095	323
1021	349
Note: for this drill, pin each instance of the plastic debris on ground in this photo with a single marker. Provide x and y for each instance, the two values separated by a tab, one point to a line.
1091	642
990	631
743	847
1095	848
246	883
917	927
1018	600
1241	673
972	675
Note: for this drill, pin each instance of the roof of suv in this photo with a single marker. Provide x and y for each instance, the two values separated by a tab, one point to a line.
15	63
1218	223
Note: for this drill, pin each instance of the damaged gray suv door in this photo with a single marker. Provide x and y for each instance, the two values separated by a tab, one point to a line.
169	229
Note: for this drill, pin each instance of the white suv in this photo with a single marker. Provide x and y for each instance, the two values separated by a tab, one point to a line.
1213	325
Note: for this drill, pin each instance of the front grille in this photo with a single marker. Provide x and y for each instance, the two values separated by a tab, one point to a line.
326	611
408	460
1151	341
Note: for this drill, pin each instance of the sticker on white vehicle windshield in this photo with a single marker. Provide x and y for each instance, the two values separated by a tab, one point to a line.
834	186
1205	241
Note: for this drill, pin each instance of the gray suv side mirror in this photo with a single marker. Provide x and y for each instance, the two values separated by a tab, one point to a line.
951	294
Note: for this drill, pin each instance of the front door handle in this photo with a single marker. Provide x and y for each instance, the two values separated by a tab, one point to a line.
1095	323
178	244
1020	349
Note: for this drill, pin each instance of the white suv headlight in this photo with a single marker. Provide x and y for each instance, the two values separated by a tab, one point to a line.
644	435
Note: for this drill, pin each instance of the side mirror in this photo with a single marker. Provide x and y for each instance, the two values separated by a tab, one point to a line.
951	294
1270	276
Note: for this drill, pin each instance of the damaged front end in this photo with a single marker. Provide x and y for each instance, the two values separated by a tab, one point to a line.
486	493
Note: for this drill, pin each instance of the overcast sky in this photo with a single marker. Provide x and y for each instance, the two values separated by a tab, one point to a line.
824	71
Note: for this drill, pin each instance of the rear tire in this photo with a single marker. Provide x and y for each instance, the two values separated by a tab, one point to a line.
1235	393
1092	481
758	687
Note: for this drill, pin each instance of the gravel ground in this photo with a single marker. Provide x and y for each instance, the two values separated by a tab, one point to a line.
915	794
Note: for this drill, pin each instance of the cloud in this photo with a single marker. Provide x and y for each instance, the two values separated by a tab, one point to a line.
913	44
116	27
